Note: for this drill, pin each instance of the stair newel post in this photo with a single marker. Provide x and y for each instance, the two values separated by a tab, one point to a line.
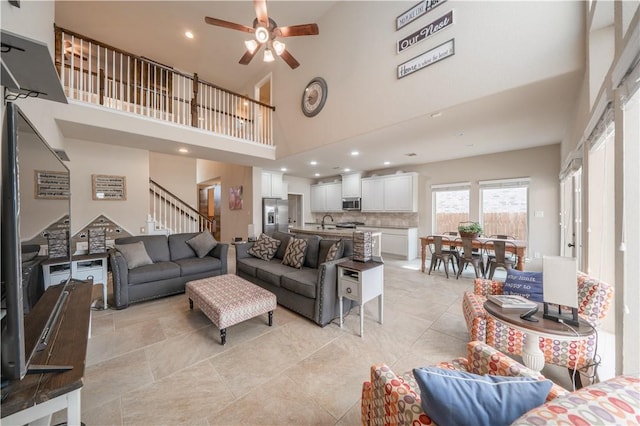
194	102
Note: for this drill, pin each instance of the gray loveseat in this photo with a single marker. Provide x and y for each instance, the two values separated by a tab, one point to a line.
174	264
310	291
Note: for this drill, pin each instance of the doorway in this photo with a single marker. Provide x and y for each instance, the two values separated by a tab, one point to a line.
209	199
295	210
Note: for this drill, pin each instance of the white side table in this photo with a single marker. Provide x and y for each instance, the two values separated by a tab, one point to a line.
82	267
361	282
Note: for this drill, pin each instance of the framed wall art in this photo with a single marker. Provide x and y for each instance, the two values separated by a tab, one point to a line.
107	187
51	185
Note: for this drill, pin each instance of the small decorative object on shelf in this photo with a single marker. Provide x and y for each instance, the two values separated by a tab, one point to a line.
57	243
469	229
97	240
362	246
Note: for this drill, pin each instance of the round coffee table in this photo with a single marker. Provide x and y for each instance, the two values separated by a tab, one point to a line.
532	355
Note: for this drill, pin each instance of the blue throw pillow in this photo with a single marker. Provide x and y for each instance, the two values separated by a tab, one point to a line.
525	284
452	397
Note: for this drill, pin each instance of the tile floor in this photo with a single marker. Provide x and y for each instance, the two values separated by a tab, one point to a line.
158	363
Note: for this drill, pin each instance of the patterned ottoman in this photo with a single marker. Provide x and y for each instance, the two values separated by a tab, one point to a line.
228	300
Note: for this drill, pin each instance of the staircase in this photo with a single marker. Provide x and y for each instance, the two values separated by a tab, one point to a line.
168	214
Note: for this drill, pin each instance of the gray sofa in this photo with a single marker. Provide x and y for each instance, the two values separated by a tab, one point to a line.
174	264
310	291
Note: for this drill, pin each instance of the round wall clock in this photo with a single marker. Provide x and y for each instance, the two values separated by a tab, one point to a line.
314	97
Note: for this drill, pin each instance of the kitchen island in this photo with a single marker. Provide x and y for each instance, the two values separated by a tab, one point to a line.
330	231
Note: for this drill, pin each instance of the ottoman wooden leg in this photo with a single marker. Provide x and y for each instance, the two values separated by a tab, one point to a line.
270	318
223	336
190	304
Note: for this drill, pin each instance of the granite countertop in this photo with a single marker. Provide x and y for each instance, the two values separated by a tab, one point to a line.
332	225
329	231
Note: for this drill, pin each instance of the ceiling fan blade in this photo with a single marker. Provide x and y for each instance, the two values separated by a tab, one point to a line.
298	30
261	11
289	59
247	57
227	24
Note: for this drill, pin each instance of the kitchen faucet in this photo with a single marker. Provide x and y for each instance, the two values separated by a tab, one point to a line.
324	217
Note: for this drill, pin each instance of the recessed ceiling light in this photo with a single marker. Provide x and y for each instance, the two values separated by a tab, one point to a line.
386	163
183	150
354	153
436	114
188	34
317	174
313	163
347	170
283	169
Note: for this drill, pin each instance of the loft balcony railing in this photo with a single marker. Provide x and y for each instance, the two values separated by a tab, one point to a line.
99	74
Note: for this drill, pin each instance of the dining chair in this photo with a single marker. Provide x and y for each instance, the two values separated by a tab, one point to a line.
469	256
438	255
452	248
500	258
510	256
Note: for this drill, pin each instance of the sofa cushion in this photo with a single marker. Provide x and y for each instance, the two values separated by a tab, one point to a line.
284	238
294	255
197	265
313	246
178	246
271	272
302	282
154	272
202	243
249	265
454	397
135	254
330	250
156	246
525	284
265	248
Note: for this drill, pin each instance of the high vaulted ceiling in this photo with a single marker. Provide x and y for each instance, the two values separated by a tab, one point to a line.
512	84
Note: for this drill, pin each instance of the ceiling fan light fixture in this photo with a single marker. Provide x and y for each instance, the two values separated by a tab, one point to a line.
268	55
262	35
279	47
251	45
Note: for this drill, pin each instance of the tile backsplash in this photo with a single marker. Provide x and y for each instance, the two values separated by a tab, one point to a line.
389	220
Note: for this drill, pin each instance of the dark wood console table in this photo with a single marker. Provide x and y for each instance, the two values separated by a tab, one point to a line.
37	396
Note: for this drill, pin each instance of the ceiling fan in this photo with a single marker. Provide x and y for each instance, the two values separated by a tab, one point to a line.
266	33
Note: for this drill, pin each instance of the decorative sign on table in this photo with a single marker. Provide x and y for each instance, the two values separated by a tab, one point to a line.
51	185
97	241
416	11
58	243
425	32
105	187
429	57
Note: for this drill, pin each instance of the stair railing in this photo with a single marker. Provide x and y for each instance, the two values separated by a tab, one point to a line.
172	214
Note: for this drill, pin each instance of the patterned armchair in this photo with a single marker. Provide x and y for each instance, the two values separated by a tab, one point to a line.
390	399
594	298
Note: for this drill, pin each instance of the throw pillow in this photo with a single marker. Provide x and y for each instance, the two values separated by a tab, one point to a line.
525	284
265	248
294	255
452	397
202	243
135	254
332	254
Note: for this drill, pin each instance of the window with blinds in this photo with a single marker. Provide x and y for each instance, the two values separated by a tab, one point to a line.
504	206
450	206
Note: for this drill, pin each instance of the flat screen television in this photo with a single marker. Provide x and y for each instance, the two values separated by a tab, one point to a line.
31	203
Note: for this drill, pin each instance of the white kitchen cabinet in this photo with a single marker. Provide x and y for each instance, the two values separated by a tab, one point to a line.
372	195
393	193
351	186
326	197
272	185
397	241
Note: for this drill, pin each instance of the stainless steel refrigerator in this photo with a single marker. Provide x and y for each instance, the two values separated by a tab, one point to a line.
275	215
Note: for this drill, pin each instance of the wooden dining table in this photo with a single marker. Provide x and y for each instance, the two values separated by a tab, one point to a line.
520	247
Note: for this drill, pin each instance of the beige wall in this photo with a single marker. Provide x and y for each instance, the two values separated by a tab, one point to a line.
233	223
89	158
541	165
177	174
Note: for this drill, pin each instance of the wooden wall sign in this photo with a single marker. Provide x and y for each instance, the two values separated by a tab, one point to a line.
416	11
429	57
51	185
105	187
427	31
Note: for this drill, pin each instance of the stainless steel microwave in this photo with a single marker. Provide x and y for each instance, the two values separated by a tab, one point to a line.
351	204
